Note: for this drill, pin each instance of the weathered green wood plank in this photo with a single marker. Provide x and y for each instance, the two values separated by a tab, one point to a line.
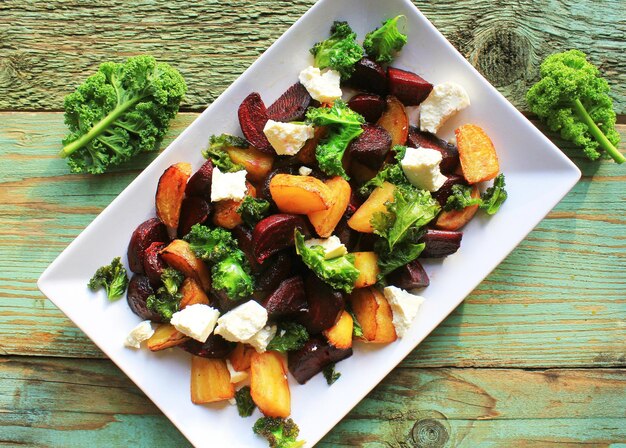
46	48
558	300
61	402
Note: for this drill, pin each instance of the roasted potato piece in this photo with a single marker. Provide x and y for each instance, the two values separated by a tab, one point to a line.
170	193
192	294
395	121
340	334
477	154
374	314
241	357
225	212
257	164
300	194
325	221
361	220
165	336
268	384
455	219
367	264
210	380
179	256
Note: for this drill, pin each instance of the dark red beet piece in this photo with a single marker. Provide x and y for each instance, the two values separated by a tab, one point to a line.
346	235
446	189
371	147
275	269
139	289
291	105
200	183
146	233
324	305
194	210
449	152
369	76
408	87
311	359
369	105
153	264
214	347
440	243
409	276
275	233
243	235
252	118
288	298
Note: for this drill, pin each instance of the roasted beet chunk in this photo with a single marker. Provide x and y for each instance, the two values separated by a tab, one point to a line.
409	276
291	105
139	289
446	189
288	298
195	210
369	105
324	305
440	243
252	118
273	271
449	153
369	76
243	235
313	357
214	347
200	182
371	147
275	233
148	232
153	264
408	87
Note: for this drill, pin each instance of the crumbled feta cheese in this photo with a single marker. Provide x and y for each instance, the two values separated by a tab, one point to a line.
137	335
444	101
421	167
404	306
196	321
287	138
242	323
228	185
333	247
262	337
323	87
235	375
304	171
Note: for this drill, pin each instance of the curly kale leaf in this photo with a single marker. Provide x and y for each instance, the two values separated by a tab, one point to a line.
330	374
253	210
490	200
217	151
211	245
289	336
166	300
339	52
112	278
382	43
245	405
391	172
120	111
279	432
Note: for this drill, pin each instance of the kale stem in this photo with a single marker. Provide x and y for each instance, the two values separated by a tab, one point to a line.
99	127
597	133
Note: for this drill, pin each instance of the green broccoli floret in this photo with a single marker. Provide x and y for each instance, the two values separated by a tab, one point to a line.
289	336
245	405
120	111
230	271
490	200
166	300
218	154
382	43
330	374
253	210
344	126
112	278
279	432
391	172
572	98
339	52
339	272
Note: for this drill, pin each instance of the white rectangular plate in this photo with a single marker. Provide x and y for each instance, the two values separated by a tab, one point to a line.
538	175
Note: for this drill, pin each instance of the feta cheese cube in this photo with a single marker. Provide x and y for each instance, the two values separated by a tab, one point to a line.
304	171
235	375
421	167
404	306
287	138
196	321
444	101
323	87
242	323
333	247
262	337
140	333
228	185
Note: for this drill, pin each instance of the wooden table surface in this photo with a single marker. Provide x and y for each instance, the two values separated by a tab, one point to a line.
534	357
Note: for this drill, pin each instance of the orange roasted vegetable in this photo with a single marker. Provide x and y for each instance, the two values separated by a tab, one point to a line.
361	220
210	380
374	314
477	154
268	384
367	264
256	163
240	357
192	294
300	194
395	121
179	256
340	334
171	192
165	336
455	219
325	221
225	212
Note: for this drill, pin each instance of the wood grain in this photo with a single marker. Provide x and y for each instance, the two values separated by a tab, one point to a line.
555	301
47	48
75	403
